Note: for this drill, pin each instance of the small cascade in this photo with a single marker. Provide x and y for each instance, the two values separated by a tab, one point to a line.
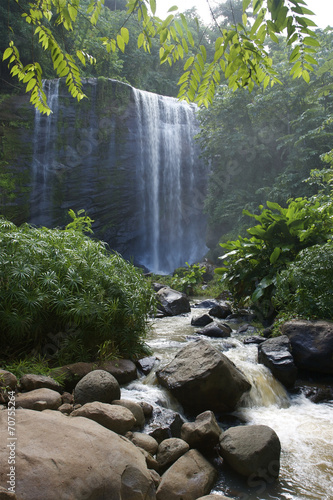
45	139
170	183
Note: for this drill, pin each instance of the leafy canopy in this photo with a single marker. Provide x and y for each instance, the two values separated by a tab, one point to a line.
240	53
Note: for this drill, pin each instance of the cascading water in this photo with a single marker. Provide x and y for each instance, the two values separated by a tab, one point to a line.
304	428
169	192
129	158
44	154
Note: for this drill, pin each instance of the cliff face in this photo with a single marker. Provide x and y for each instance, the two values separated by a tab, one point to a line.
98	155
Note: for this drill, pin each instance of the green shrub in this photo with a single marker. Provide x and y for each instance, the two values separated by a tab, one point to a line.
252	264
185	278
305	288
64	293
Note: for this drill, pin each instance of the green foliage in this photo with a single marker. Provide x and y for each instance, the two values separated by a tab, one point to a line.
185	278
61	290
240	51
252	264
81	223
305	288
26	365
263	145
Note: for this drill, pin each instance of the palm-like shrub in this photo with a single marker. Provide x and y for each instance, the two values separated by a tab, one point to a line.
62	291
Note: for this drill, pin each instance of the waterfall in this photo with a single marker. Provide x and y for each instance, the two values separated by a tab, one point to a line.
44	150
170	183
129	158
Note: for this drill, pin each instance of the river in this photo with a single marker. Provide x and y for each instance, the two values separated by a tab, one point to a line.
305	429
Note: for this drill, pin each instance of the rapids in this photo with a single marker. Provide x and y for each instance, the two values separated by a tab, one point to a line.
305	429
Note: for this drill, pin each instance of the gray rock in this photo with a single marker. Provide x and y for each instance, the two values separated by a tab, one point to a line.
170	450
116	418
190	477
98	385
275	353
201	320
29	382
164	424
31	400
207	304
220	311
215	330
146	364
202	378
312	344
171	302
252	450
254	340
202	434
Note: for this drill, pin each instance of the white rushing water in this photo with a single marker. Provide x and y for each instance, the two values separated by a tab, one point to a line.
305	429
170	182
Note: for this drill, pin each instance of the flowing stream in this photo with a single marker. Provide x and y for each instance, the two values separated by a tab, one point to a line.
305	429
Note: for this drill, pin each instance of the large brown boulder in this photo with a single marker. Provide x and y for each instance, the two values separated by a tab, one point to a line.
311	344
170	450
202	378
252	450
73	458
116	418
190	477
30	382
124	370
98	385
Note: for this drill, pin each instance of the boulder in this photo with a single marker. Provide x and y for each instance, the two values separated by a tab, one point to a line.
66	408
190	477
254	340
201	320
311	344
7	379
29	382
202	378
165	423
170	450
146	364
252	450
275	353
171	302
144	441
123	370
202	434
215	330
73	458
98	385
72	374
220	311
207	304
116	418
134	407
32	399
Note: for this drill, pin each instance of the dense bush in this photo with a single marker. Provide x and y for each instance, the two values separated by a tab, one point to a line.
252	264
305	288
66	295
